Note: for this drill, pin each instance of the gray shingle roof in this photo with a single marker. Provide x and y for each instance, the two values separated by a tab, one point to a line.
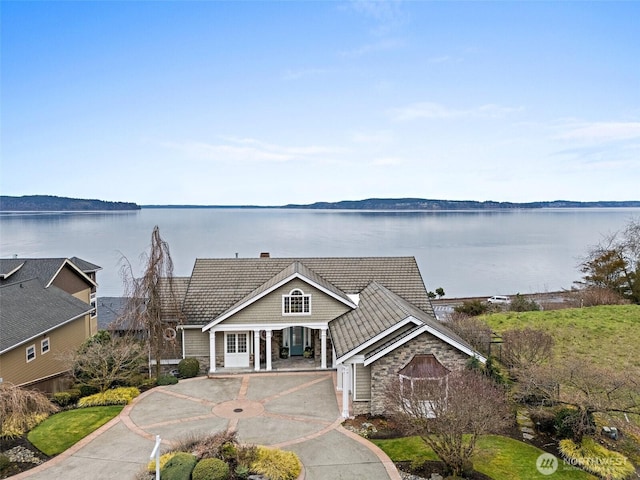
27	310
109	310
42	268
217	284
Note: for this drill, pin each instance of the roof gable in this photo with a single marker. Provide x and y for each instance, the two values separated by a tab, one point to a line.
296	270
45	269
29	309
388	321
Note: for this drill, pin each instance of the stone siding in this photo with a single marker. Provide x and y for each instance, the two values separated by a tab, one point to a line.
387	367
361	408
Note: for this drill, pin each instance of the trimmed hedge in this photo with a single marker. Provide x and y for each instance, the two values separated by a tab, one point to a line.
66	398
151	466
115	396
211	469
179	467
167	380
189	367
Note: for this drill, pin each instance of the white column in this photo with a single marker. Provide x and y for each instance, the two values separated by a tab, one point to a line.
333	357
345	391
268	349
323	348
256	350
212	351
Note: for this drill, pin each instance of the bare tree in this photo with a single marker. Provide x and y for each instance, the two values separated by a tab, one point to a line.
449	413
522	348
475	331
21	409
588	388
153	306
104	361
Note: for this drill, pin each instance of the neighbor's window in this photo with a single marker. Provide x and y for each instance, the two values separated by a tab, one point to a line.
296	303
31	353
44	345
94	310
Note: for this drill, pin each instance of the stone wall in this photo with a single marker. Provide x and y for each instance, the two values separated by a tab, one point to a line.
387	368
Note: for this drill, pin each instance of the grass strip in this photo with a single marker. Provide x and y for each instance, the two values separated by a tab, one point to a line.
64	429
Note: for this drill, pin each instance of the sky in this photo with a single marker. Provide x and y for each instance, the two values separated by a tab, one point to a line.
270	103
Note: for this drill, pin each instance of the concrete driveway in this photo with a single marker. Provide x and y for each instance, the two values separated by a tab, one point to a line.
293	411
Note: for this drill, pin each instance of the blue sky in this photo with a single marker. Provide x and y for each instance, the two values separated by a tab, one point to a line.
271	103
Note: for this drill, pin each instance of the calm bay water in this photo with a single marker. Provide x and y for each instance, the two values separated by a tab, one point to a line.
467	253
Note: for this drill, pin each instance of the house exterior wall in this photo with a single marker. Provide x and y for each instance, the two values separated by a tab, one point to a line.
71	282
386	368
15	369
269	308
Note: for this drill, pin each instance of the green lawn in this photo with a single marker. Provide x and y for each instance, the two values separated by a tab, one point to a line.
64	429
499	457
607	335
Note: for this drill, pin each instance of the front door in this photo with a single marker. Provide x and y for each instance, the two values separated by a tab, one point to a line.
296	342
236	349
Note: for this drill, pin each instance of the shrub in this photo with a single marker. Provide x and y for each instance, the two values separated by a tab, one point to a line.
115	396
474	330
151	466
4	462
472	308
596	459
211	469
86	390
242	472
571	423
167	380
276	464
179	467
520	303
66	398
188	367
544	419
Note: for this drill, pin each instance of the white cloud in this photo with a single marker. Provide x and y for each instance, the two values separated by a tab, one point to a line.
431	110
249	150
387	161
303	72
599	132
380	46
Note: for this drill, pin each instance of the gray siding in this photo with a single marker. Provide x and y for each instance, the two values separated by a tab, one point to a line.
196	343
269	308
363	382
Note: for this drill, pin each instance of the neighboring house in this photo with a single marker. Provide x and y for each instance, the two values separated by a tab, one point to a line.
366	317
47	308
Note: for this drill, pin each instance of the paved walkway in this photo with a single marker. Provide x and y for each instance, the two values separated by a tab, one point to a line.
293	411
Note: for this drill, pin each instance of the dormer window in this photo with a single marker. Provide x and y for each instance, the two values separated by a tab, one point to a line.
296	303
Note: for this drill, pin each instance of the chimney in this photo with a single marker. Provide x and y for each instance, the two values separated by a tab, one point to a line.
265	255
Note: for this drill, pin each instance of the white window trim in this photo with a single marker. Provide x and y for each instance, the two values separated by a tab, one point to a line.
32	348
93	301
42	345
303	297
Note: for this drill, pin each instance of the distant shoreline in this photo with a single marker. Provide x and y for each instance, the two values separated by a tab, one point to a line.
48	203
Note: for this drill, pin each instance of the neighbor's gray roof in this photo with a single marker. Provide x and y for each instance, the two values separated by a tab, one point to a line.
378	311
219	283
27	310
42	268
109	311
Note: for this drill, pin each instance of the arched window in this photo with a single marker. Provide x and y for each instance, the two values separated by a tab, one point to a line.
296	303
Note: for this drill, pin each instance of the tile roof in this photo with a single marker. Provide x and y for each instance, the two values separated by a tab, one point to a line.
219	283
28	310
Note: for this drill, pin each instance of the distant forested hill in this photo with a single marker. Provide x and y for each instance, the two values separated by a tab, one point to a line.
424	204
48	203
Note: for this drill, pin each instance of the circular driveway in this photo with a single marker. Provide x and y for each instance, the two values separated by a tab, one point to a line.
294	411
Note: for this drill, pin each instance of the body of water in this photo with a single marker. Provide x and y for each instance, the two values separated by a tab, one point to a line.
468	253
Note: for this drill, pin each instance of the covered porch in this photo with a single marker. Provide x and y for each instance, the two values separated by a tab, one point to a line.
269	347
